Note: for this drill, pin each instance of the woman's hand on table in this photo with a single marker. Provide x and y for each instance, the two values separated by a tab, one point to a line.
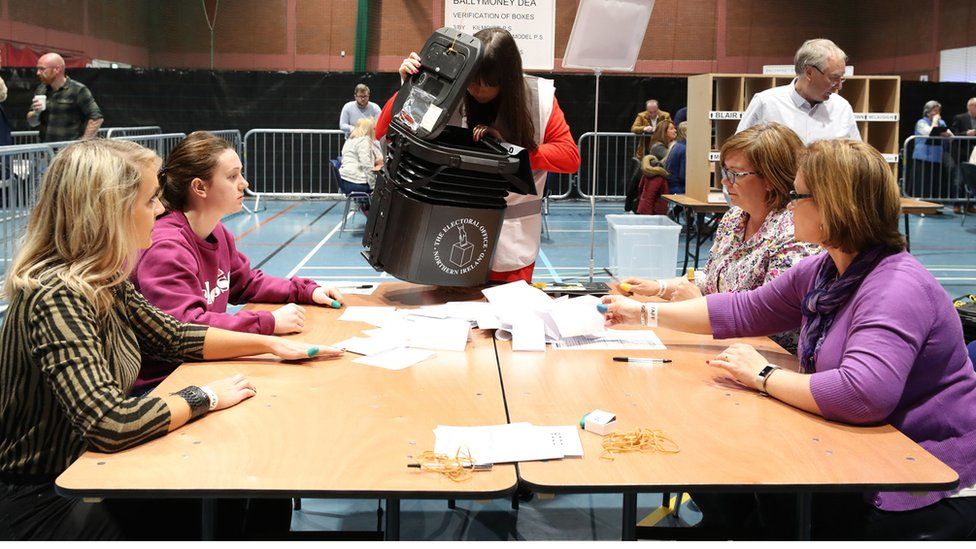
232	390
289	319
296	350
685	290
642	286
330	297
620	310
742	362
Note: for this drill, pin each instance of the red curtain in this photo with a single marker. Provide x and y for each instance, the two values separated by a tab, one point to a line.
27	56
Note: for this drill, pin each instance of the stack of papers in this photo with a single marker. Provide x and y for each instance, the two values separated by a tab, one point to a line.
530	318
645	340
509	442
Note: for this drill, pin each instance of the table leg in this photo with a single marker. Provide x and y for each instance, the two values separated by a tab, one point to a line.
908	241
392	519
689	225
208	519
629	526
803	514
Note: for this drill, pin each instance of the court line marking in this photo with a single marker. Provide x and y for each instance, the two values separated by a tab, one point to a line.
266	221
318	246
545	261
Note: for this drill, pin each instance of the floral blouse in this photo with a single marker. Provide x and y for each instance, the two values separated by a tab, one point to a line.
736	264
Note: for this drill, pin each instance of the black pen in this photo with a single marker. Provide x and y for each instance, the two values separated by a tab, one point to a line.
476	467
641	360
615	279
361	287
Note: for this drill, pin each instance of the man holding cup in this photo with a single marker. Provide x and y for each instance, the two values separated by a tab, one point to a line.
63	108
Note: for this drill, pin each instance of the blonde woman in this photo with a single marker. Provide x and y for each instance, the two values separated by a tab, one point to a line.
360	160
71	342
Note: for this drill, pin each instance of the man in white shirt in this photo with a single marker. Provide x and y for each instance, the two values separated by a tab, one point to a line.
810	104
360	108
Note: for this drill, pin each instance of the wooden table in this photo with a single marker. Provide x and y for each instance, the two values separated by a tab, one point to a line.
326	428
730	438
695	211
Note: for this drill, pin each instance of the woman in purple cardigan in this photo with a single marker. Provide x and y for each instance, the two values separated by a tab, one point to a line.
193	269
880	342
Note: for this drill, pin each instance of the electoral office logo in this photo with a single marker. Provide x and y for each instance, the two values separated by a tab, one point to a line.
456	248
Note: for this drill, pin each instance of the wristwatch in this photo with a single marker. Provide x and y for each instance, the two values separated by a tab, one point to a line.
763	377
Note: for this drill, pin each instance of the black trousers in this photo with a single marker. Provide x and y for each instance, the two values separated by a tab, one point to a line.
36	512
834	517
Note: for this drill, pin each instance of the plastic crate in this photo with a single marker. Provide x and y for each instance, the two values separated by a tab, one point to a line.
643	245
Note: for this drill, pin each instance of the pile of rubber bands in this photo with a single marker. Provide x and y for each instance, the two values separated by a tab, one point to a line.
640	440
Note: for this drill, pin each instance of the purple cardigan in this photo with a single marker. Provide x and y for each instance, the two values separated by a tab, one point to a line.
894	354
194	279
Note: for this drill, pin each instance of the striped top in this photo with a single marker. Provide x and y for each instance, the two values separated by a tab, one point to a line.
65	373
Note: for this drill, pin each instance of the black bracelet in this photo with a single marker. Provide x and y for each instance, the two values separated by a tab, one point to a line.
197	399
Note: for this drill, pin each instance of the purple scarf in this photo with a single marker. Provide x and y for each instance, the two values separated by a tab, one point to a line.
829	294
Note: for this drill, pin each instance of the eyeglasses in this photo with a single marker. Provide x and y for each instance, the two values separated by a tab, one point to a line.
837	81
733	176
794	196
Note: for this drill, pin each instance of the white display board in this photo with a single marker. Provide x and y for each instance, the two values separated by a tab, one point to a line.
531	22
607	34
957	65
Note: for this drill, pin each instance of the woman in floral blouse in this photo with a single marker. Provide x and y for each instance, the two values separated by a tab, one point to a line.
754	242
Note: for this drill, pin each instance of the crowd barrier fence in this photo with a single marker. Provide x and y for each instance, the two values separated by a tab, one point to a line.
938	169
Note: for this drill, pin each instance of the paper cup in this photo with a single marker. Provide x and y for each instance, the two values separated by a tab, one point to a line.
43	100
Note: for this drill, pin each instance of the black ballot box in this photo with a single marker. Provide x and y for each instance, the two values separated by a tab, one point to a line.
438	205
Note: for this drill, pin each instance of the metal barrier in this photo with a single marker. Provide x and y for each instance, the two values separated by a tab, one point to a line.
162	143
615	151
234	137
130	131
292	162
21	170
26	138
932	168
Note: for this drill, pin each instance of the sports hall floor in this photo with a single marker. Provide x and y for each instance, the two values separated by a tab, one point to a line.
303	237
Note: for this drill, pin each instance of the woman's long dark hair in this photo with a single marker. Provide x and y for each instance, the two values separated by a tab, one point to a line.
501	66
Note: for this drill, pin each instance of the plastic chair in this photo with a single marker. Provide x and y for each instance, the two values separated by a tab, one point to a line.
968	171
351	195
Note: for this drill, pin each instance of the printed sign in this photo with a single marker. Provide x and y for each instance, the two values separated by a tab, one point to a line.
531	22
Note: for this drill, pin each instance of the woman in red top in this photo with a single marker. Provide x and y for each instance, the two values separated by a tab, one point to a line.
522	110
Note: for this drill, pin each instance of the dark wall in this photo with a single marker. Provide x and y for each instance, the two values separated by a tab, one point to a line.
187	100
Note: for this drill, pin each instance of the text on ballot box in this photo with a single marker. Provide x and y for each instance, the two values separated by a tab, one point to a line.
643	245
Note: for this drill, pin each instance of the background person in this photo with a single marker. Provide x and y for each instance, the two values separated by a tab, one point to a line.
72	338
645	123
811	104
359	107
193	268
359	160
68	110
880	342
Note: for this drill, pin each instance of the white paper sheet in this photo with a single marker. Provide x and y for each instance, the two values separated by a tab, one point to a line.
377	316
396	359
577	316
528	333
449	334
517	296
566	438
368	346
614	339
503	443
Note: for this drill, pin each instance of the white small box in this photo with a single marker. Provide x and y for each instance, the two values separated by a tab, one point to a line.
599	422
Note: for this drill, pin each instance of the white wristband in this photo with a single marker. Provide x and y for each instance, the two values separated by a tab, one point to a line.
210	395
662	286
648	315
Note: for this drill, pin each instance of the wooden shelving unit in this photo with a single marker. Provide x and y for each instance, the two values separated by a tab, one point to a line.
716	103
